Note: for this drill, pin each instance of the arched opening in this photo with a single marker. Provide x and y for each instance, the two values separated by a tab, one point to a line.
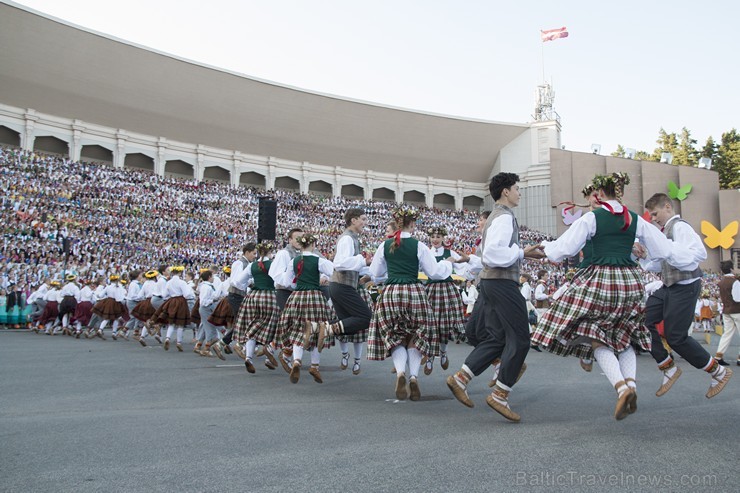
287	183
353	191
384	194
97	154
444	201
414	197
51	145
138	160
179	169
472	203
252	179
319	187
217	173
9	137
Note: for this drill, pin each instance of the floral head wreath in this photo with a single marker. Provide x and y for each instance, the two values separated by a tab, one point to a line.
588	190
227	270
204	270
151	274
618	180
177	268
55	283
403	215
265	247
306	239
437	230
114	278
71	277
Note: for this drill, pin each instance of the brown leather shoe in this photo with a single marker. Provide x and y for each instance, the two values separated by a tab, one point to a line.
295	372
142	341
428	366
444	361
721	385
196	348
620	411
284	364
179	347
587	367
461	394
401	392
250	366
502	409
667	386
315	373
217	351
632	404
270	360
414	390
238	350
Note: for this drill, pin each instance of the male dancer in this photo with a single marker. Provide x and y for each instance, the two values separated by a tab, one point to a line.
504	308
729	293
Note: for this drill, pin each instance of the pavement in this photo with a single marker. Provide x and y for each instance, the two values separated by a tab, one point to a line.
93	415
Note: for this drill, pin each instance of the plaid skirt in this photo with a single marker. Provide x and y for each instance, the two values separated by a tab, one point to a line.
402	316
258	317
605	304
447	314
303	306
175	312
143	310
83	313
108	309
195	312
222	315
50	313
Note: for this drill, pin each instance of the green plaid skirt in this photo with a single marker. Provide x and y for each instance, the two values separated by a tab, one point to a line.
447	310
302	307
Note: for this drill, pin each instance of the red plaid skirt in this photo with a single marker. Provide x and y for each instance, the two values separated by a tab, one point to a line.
402	316
303	306
447	317
175	312
143	310
108	309
83	313
222	315
258	317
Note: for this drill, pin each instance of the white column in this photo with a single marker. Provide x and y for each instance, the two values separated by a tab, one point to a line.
459	196
29	134
270	176
237	166
430	192
305	178
200	167
369	185
75	149
160	159
235	175
119	154
400	188
336	186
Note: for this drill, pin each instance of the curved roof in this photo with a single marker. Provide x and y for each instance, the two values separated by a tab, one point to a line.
61	69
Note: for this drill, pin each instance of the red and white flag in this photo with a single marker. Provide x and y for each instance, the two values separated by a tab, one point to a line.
553	34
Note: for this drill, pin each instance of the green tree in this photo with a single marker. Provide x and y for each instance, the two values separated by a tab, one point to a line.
727	160
710	148
686	154
619	152
644	156
666	143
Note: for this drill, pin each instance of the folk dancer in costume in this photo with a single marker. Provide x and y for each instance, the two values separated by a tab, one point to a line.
504	308
110	306
51	308
357	340
402	324
70	295
674	303
133	297
83	311
159	296
258	317
704	312
541	295
280	265
235	298
144	310
444	299
305	308
600	316
174	312
729	294
98	294
353	312
37	300
207	303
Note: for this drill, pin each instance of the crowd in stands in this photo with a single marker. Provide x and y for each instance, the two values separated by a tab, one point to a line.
122	219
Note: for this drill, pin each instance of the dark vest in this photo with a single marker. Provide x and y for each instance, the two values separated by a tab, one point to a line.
671	275
610	245
729	306
310	278
445	254
403	262
512	272
348	277
262	281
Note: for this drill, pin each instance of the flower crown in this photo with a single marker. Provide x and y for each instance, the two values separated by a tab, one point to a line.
151	274
437	230
114	278
177	268
588	190
306	239
265	246
405	214
227	270
618	180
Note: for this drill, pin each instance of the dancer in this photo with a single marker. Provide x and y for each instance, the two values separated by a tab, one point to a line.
51	308
70	295
174	311
401	326
729	293
674	303
257	320
504	309
110	307
305	308
207	303
133	297
144	310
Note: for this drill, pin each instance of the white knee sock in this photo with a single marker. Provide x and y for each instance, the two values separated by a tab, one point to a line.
414	361
297	352
251	344
315	356
344	346
357	346
180	330
170	331
78	326
65	320
609	364
144	332
103	324
628	365
399	356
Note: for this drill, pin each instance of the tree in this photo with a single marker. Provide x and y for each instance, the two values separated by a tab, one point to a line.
666	143
727	160
619	152
710	148
644	156
685	154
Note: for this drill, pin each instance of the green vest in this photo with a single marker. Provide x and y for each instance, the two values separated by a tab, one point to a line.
445	254
588	253
403	262
611	245
262	281
309	279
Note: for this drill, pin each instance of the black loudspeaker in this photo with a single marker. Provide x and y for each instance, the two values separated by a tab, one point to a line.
267	219
67	245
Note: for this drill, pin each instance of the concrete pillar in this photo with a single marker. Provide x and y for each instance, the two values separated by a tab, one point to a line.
236	164
400	188
336	186
270	176
234	176
119	153
200	167
75	147
459	196
160	159
305	177
29	135
430	192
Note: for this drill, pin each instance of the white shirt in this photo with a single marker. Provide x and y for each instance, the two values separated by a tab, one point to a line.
52	295
115	291
526	291
134	291
540	293
39	294
735	289
207	294
496	251
470	296
178	287
223	289
344	260
160	289
559	292
86	294
584	228
237	269
279	266
688	250
147	289
71	289
99	293
427	263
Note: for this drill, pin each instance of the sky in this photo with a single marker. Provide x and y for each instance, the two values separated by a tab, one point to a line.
626	69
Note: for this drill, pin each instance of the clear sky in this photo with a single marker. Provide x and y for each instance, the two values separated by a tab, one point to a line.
627	69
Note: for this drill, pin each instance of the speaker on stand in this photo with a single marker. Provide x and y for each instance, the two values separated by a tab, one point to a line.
267	219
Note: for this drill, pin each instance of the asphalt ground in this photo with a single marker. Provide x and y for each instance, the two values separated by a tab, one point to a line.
92	415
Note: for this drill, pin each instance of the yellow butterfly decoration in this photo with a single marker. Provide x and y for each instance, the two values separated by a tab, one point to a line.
715	238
